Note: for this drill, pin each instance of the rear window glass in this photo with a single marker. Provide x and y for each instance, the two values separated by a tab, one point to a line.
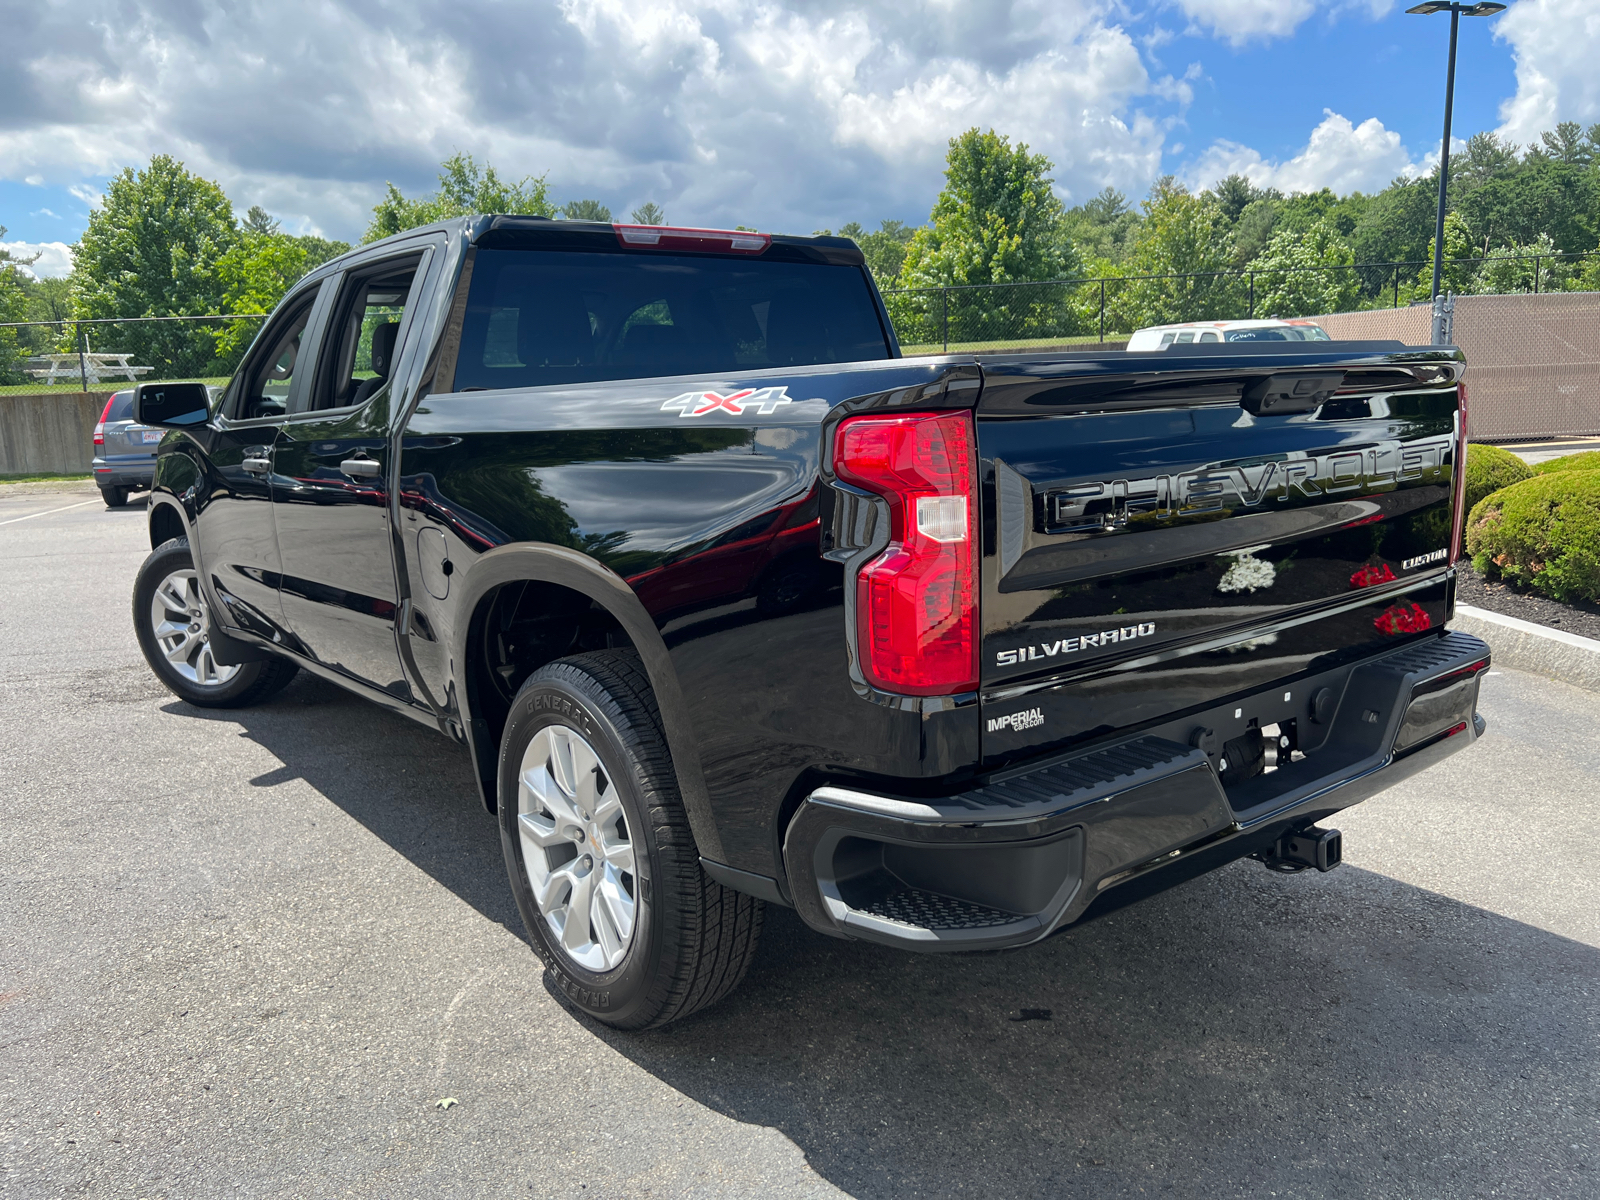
550	317
121	407
1273	334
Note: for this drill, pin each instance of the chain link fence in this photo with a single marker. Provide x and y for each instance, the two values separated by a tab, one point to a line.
1105	311
109	355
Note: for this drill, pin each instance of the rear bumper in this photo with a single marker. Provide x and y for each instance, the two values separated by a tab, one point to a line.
139	472
1034	848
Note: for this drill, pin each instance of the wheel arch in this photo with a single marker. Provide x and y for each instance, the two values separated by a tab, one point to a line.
167	520
542	563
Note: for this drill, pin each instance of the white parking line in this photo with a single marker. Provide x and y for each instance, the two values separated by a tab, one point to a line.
48	511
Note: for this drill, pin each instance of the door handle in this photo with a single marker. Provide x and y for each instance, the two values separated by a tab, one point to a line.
257	466
361	468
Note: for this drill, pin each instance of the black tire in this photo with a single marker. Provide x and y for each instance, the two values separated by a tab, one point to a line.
693	939
115	497
250	684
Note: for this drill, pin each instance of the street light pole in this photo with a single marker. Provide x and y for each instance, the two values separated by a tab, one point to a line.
1456	11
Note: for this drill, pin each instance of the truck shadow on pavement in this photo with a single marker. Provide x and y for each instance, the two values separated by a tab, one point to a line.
411	787
1343	1035
1245	1034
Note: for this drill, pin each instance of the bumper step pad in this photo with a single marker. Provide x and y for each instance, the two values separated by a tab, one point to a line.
929	910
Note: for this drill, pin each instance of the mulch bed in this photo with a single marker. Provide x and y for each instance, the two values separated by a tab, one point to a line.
1474	589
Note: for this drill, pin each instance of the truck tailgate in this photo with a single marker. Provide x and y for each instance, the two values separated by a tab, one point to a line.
1161	532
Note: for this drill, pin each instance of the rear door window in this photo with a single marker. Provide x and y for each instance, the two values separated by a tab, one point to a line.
121	407
550	317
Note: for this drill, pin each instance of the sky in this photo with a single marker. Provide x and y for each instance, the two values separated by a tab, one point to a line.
786	115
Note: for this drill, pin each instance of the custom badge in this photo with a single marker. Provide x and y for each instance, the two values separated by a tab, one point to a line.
697	404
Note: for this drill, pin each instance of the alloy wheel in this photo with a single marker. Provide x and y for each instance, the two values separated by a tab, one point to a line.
182	625
576	848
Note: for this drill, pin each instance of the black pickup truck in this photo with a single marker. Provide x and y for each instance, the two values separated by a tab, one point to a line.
732	604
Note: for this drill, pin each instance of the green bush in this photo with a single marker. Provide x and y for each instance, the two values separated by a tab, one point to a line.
1589	460
1489	469
1542	533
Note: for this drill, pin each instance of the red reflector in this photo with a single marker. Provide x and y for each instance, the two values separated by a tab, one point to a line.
916	607
1458	486
710	241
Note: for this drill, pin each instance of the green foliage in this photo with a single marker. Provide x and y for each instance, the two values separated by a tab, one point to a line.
1589	460
256	272
1290	283
320	250
996	221
464	188
1510	269
1396	225
1489	469
1181	237
649	213
13	307
1542	533
1102	227
585	210
884	248
1457	276
151	250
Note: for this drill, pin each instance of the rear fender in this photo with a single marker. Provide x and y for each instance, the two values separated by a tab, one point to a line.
546	563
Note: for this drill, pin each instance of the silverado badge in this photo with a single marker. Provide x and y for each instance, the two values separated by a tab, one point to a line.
698	404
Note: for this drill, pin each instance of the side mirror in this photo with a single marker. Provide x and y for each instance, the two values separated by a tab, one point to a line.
174	405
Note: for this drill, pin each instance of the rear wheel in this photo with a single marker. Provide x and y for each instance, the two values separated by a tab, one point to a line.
602	862
115	497
173	624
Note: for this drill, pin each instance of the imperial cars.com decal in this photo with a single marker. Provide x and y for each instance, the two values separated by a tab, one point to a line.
697	404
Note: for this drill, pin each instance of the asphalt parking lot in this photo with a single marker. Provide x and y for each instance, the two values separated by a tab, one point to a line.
247	953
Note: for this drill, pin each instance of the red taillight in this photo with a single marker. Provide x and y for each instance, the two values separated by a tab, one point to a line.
1458	485
100	427
916	608
714	241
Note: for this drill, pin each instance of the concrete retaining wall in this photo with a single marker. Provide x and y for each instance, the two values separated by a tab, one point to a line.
49	433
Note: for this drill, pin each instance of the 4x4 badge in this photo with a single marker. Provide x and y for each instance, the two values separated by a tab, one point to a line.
698	404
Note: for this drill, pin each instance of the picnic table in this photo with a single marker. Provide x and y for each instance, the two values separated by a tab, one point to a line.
92	369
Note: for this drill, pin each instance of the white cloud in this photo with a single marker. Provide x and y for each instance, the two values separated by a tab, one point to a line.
1339	155
1242	21
53	260
790	114
1554	43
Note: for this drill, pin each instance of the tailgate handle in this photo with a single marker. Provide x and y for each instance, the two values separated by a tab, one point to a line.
1290	392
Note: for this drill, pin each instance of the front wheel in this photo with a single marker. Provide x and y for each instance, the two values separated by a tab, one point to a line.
602	862
173	624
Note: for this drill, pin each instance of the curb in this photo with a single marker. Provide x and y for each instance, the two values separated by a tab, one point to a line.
1524	646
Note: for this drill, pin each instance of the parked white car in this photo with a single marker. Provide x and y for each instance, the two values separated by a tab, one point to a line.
1159	337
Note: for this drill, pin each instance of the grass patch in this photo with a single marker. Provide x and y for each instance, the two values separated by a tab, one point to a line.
46	478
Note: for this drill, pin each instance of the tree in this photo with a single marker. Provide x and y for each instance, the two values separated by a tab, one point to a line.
1568	144
1174	262
320	250
1101	227
1528	268
1398	222
464	188
1457	275
996	221
1236	193
649	213
151	250
1254	229
585	210
884	248
258	220
13	307
1298	274
256	271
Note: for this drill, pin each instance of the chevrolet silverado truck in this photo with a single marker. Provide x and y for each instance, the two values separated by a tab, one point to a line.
731	604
